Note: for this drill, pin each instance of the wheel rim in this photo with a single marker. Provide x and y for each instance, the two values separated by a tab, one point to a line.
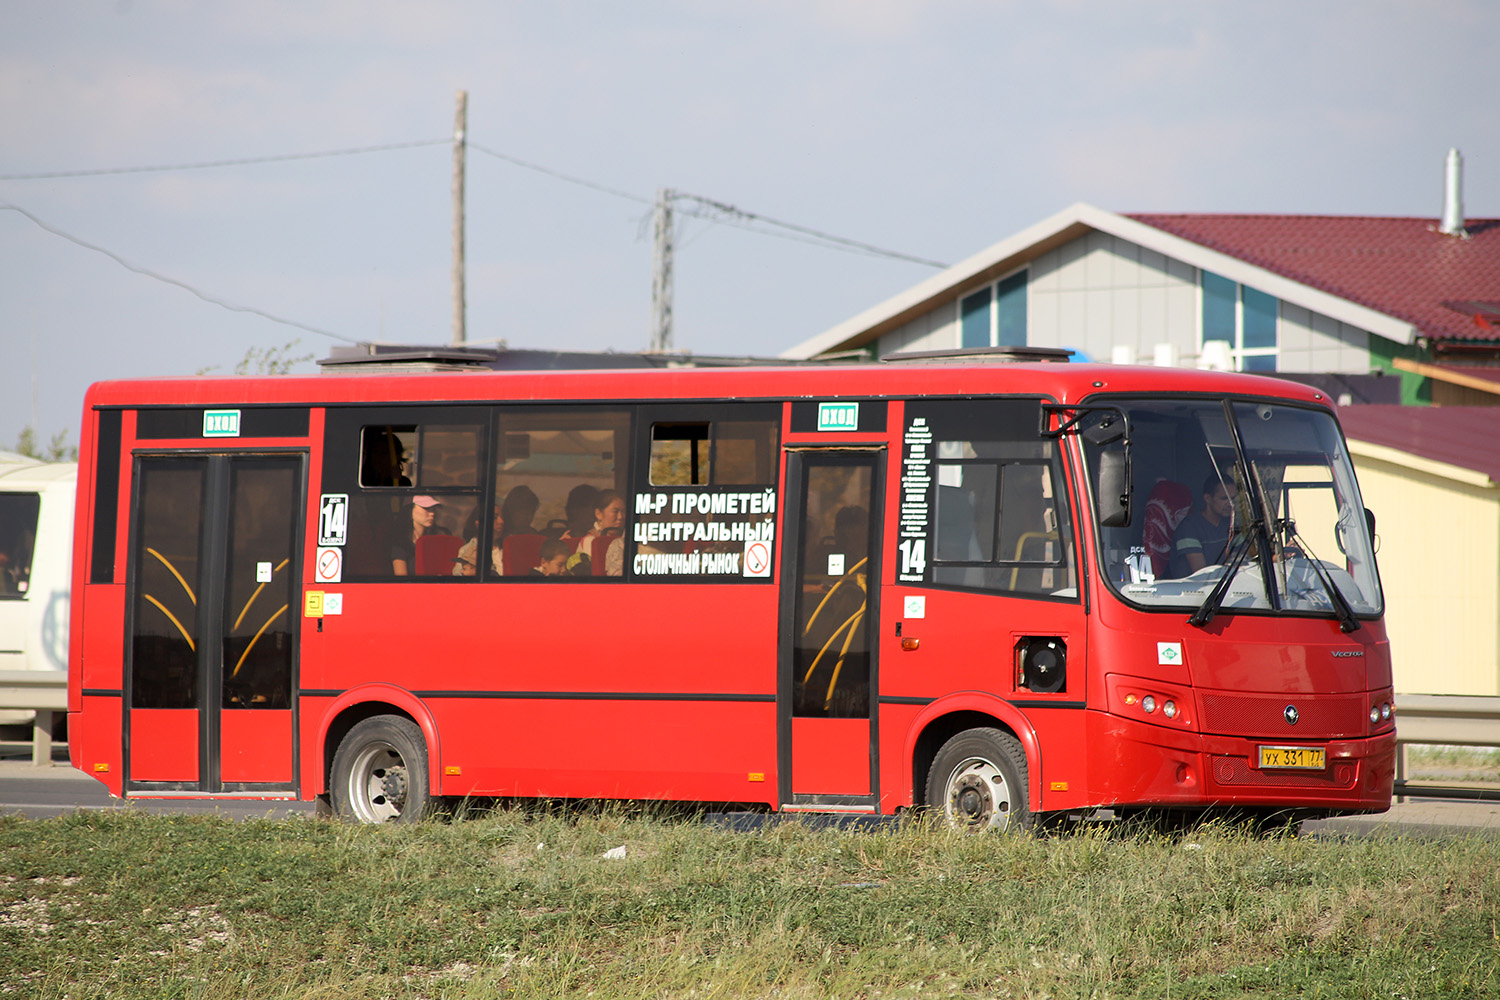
377	784
978	796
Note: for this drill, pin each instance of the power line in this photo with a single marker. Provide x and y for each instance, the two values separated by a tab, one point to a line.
205	164
732	212
560	175
717	211
212	300
708	209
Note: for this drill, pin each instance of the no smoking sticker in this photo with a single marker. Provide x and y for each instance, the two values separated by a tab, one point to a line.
330	565
757	561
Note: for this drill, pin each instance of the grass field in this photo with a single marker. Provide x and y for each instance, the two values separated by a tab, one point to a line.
523	903
1471	765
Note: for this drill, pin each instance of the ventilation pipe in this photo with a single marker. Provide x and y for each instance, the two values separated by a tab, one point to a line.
1453	196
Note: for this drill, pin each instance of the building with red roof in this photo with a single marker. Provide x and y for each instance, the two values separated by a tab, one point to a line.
1285	293
1431	474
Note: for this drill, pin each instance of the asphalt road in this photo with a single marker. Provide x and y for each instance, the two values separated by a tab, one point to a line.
43	792
59	790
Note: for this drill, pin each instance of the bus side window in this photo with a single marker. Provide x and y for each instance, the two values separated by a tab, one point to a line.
559	482
720	480
998	520
416	491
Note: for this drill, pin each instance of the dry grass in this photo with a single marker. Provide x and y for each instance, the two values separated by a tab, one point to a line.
523	903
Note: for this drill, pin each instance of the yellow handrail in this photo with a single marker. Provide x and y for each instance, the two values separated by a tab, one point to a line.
838	667
851	572
246	610
1027	536
173	619
173	569
236	671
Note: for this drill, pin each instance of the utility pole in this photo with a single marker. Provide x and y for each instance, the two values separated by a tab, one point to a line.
661	275
460	143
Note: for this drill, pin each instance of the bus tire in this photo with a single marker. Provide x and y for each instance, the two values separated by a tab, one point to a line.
977	783
380	772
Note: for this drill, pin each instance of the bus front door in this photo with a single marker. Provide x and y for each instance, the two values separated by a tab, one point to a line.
830	574
213	624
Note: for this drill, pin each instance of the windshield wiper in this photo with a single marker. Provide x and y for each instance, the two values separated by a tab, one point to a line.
1215	598
1341	607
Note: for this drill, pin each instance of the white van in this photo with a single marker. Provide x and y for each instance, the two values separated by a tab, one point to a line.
36	549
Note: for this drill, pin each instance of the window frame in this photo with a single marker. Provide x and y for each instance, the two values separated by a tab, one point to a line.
1246	358
1000	312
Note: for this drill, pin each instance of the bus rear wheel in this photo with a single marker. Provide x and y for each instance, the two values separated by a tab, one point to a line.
978	782
380	772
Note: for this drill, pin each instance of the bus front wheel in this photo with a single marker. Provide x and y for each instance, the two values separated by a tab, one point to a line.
380	772
978	782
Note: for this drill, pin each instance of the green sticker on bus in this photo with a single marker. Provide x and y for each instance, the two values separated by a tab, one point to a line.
838	416
221	423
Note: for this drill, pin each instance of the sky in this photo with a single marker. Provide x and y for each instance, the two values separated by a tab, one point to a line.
933	129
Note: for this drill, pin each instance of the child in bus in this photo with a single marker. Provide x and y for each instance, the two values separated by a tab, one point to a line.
554	558
466	563
604	541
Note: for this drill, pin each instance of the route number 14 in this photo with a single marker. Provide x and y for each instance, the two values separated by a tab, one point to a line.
913	556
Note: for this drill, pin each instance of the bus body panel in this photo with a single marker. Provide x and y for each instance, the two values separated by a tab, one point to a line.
1153	766
670	689
96	738
577	748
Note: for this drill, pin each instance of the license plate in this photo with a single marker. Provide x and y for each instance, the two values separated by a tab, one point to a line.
1302	758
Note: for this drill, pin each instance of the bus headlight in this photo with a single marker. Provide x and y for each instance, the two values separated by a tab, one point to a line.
1374	713
1169	710
1149	704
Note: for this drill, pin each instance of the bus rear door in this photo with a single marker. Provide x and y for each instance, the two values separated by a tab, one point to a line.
212	598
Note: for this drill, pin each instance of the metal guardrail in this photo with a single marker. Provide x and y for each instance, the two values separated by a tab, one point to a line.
1442	720
45	691
1445	720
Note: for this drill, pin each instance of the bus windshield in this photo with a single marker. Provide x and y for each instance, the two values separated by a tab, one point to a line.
1233	506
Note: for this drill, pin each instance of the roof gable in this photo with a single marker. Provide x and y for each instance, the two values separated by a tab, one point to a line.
1389	268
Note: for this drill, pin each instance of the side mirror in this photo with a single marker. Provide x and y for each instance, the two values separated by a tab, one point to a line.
1114	490
1370	523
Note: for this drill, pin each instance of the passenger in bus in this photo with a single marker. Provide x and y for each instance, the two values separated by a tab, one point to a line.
383	459
605	539
554	558
517	513
419	518
466	563
579	512
1203	535
1166	507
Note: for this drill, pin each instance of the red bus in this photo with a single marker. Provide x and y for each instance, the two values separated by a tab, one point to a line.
997	590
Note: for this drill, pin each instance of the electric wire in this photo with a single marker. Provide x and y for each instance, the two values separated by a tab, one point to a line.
711	206
719	212
206	164
707	209
147	272
569	178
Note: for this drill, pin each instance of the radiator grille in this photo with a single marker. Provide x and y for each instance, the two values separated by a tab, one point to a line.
1324	717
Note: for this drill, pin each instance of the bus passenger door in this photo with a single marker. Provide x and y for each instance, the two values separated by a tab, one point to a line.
213	624
830	576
